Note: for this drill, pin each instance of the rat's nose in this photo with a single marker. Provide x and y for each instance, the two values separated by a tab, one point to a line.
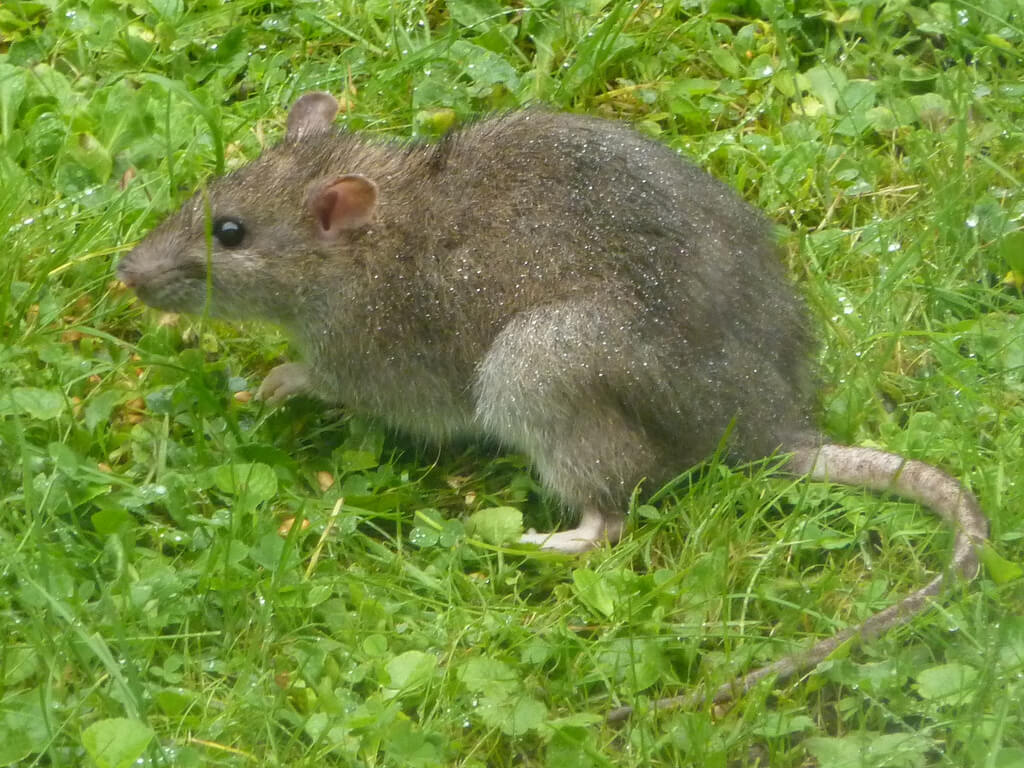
126	274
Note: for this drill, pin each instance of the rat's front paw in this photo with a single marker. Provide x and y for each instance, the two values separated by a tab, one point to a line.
283	382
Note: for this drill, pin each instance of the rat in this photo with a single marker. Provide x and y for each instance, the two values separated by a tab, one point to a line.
557	283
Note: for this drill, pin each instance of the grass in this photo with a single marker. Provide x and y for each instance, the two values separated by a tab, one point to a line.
189	579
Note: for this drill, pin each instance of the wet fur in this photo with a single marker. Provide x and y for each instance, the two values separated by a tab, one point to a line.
553	282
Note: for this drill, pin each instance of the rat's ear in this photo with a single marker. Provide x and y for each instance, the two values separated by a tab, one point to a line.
314	112
343	203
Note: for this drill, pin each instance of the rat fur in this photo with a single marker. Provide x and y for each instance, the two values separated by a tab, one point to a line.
554	282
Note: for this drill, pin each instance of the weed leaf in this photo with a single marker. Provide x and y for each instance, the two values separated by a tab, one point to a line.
116	742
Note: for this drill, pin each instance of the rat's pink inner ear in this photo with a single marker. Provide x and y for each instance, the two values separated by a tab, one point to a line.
345	203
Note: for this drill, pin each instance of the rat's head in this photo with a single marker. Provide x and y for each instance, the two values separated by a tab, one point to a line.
254	236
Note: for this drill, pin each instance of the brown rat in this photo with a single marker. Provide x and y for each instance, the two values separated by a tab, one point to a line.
555	282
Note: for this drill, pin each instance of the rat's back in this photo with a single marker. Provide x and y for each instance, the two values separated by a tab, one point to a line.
711	331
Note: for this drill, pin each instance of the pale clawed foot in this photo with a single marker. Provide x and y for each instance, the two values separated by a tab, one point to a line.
593	530
283	382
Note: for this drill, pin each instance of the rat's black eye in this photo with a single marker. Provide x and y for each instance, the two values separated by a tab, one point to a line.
228	231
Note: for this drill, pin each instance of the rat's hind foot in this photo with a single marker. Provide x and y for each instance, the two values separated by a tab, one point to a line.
594	529
283	382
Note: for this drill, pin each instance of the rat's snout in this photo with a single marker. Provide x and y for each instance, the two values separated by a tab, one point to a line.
164	281
126	274
136	271
141	274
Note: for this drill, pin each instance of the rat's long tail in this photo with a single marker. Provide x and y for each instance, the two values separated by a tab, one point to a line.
876	471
